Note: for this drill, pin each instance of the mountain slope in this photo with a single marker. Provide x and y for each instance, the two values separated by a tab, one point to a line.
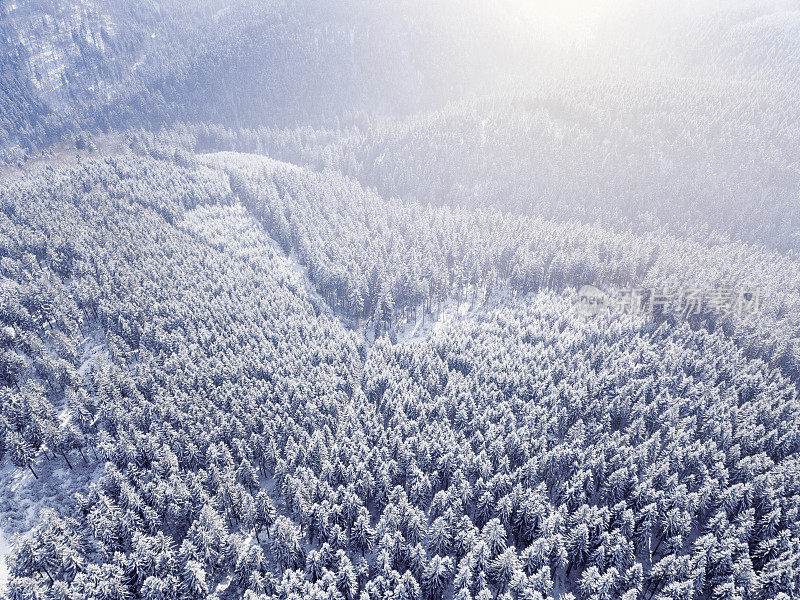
247	446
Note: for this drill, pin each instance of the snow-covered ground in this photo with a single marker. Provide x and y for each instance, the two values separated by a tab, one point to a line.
421	329
254	162
5	548
411	332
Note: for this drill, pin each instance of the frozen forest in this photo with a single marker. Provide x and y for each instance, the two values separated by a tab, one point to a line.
399	299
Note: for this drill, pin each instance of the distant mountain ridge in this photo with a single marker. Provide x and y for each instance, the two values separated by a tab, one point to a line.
103	65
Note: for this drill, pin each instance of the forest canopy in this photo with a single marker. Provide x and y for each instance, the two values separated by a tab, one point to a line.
290	300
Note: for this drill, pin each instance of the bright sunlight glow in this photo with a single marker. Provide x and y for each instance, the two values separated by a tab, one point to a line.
566	21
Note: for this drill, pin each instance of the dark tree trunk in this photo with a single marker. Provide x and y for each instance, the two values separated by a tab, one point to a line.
661	539
50	577
656	588
69	464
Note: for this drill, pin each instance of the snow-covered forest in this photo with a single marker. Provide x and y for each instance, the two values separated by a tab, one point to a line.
289	300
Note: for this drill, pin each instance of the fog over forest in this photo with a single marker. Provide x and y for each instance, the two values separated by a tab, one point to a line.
399	300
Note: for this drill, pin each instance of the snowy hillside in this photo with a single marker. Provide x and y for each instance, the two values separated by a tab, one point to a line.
355	300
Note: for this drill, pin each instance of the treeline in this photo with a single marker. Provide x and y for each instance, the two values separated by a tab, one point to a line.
384	259
689	156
